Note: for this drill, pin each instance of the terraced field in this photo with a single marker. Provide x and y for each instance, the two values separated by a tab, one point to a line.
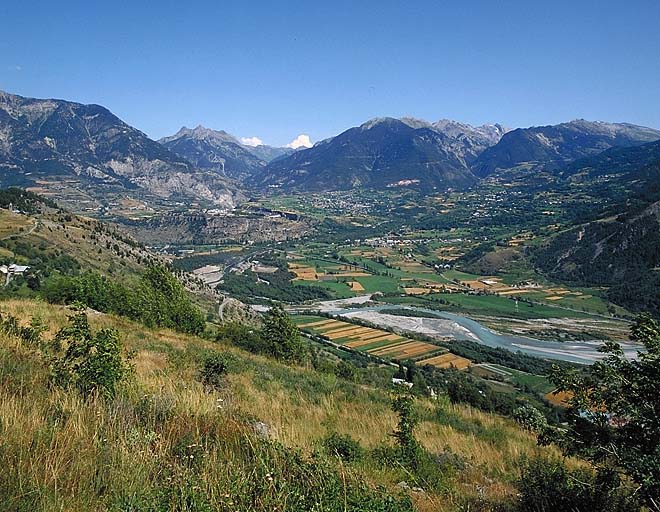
448	360
379	343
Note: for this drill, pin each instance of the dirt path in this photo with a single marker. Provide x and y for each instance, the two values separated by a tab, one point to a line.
36	224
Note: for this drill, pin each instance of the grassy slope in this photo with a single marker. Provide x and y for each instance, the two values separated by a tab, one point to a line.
95	245
66	454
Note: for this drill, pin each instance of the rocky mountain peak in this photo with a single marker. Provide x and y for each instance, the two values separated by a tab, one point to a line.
201	132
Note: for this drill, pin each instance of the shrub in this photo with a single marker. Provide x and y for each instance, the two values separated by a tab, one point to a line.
30	335
403	404
242	336
548	485
530	418
158	299
89	362
346	371
344	447
213	370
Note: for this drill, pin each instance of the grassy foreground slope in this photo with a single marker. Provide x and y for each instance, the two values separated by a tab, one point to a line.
166	442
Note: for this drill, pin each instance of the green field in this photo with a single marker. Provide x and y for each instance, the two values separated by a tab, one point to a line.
486	305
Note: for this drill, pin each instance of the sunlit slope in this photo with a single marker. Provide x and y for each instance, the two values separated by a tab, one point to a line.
166	440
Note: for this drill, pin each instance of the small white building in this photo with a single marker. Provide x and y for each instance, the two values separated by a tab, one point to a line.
402	382
9	272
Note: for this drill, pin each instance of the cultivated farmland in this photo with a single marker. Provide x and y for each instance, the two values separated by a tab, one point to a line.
380	343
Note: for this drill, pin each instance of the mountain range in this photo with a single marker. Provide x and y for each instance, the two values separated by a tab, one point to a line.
46	142
445	154
385	152
552	147
220	152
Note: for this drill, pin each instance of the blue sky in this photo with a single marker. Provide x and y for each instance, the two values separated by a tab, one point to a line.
275	70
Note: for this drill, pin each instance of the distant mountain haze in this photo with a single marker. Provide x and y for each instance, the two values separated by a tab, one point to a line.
214	150
221	152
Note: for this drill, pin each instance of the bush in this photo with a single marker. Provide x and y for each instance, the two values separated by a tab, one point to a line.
158	299
346	371
213	370
242	336
548	485
409	448
30	335
530	418
344	447
92	363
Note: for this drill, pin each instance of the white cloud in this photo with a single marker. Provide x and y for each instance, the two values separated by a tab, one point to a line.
252	141
301	141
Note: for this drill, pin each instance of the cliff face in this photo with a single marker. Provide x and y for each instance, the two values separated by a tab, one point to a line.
215	151
205	229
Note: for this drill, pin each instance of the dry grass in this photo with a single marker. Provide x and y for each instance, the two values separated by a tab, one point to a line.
304	272
13	223
317	324
363	342
69	451
417	291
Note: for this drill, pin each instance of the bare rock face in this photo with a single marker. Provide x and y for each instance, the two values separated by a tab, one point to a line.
233	310
262	430
215	151
221	152
87	146
214	229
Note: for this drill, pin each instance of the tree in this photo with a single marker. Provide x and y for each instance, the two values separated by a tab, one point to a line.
614	415
281	336
530	418
92	363
404	405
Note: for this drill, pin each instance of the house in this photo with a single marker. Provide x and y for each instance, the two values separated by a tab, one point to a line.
12	270
402	382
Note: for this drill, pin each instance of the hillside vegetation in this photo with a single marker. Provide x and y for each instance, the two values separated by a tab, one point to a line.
255	438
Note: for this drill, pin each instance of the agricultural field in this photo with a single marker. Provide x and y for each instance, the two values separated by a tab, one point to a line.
461	252
380	343
536	383
400	270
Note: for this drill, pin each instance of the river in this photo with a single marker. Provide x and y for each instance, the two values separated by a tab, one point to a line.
463	328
